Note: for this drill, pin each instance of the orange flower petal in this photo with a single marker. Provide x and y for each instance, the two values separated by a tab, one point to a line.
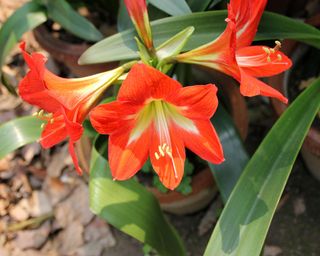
167	157
248	14
251	86
196	102
125	158
144	82
261	61
206	143
110	117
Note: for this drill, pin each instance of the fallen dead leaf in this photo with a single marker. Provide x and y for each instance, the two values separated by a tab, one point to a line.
39	204
98	230
32	239
56	189
271	250
75	207
29	151
20	211
299	206
5	163
58	161
70	238
3	207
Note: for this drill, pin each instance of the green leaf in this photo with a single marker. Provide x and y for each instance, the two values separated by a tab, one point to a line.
198	6
24	19
174	8
244	223
208	25
61	12
128	206
228	173
17	133
123	22
174	45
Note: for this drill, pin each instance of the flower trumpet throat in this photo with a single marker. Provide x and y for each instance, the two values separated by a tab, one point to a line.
154	116
65	101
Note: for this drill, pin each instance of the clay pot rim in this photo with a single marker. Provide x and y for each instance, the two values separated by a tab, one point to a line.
45	37
200	181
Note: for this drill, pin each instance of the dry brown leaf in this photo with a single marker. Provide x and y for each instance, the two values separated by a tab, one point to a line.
271	250
299	206
70	238
99	230
75	207
39	204
58	161
29	151
32	239
20	211
56	189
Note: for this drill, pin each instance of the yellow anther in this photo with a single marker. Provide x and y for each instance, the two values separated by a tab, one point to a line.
266	49
50	115
41	112
42	126
278	45
161	151
268	59
279	56
156	155
35	114
164	146
51	121
272	50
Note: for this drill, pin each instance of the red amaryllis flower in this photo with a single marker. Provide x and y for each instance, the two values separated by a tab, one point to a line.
66	101
154	115
137	10
251	61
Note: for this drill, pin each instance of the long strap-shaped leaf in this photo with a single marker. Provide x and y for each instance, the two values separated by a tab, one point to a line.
61	12
244	222
228	173
17	133
128	206
208	25
177	7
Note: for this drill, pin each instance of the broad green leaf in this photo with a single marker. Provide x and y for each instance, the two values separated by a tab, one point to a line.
24	19
61	12
128	206
198	6
228	173
123	22
244	223
174	8
208	25
17	133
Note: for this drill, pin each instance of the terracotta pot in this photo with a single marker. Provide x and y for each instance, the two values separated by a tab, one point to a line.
68	53
311	146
